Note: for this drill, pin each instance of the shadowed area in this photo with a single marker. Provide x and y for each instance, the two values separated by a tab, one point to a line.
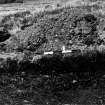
55	80
10	1
4	36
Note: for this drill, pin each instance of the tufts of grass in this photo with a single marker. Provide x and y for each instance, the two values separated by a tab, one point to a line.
18	21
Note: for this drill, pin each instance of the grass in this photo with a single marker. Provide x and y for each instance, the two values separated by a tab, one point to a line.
18	20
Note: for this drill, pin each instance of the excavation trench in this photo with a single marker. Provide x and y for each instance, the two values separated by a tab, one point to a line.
60	63
60	70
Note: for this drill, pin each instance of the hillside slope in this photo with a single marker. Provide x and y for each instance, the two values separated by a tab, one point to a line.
55	56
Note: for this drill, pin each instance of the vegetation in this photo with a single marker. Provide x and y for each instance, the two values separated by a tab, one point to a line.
17	22
49	30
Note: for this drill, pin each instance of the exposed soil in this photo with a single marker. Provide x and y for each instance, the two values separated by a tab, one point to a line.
54	81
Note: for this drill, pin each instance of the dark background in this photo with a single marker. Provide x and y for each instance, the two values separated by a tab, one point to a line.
10	1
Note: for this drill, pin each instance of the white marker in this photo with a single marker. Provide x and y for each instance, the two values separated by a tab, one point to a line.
65	51
63	48
47	53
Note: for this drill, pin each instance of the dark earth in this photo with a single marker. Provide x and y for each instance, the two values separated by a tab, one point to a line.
54	81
